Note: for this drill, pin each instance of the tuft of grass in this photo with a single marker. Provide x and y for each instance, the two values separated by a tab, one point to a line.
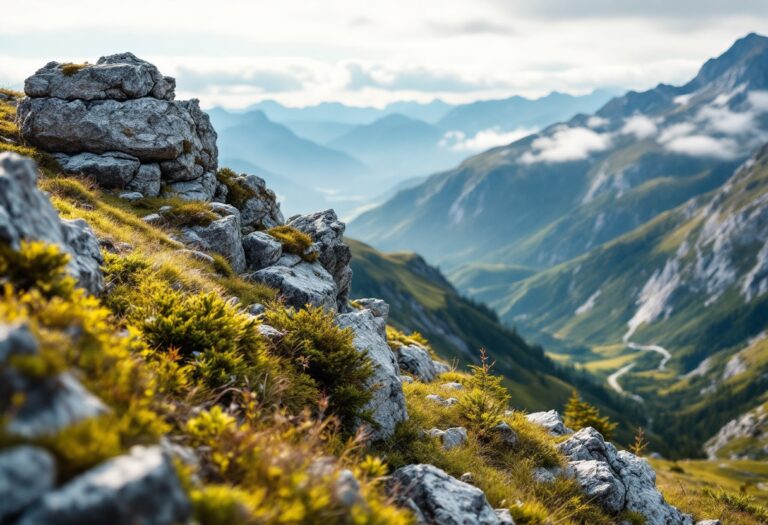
294	241
237	192
70	68
738	503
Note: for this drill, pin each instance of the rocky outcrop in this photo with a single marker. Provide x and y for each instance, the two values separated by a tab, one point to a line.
26	473
140	487
439	499
257	203
551	420
111	119
26	214
618	480
417	361
327	231
751	428
221	236
299	282
388	404
261	250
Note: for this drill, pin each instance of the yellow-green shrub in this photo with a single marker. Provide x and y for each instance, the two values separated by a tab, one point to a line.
294	241
325	356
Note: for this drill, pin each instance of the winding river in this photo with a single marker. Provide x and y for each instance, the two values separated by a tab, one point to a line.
613	379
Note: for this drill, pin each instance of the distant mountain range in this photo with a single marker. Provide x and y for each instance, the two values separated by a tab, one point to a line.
628	241
352	154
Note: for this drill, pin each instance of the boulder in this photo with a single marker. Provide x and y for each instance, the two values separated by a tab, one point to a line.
111	119
378	307
618	480
26	213
440	367
388	404
440	499
221	236
450	438
453	385
26	473
256	202
327	231
506	434
116	77
147	180
261	250
138	488
546	475
551	420
416	360
131	196
110	170
300	283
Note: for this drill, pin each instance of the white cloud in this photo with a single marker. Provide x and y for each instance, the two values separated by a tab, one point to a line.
483	140
758	100
682	99
566	144
723	120
676	130
640	126
704	146
597	122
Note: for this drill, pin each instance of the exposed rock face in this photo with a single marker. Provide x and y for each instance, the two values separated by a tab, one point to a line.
300	283
49	404
618	480
26	214
221	236
261	250
752	425
551	420
439	499
260	211
328	232
26	473
110	119
505	434
441	400
388	403
141	487
417	361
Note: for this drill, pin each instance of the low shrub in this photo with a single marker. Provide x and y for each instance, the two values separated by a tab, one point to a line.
294	241
36	265
237	192
70	68
325	356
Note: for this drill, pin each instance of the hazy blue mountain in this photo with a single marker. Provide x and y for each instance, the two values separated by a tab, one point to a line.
398	147
555	195
320	131
520	112
343	114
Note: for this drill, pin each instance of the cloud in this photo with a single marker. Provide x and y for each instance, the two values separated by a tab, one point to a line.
409	78
723	120
475	26
674	131
640	126
483	140
262	79
566	144
704	146
597	122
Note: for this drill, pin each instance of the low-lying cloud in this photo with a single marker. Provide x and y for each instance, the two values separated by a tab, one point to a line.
640	126
566	144
483	140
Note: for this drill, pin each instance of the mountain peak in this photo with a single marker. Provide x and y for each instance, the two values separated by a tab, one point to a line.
742	62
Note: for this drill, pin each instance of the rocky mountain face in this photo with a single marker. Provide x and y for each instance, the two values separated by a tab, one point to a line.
117	121
123	425
629	241
557	194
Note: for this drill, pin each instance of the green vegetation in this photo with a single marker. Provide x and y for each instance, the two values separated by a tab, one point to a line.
580	414
237	192
294	242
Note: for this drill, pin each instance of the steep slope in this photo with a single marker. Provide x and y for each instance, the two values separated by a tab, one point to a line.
692	281
555	195
398	147
421	299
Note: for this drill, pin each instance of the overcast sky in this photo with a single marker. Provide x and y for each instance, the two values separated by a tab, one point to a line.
370	52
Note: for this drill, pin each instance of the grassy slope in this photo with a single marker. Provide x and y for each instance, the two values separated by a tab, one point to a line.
422	300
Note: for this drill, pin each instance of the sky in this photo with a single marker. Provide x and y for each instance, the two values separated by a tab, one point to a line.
370	52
